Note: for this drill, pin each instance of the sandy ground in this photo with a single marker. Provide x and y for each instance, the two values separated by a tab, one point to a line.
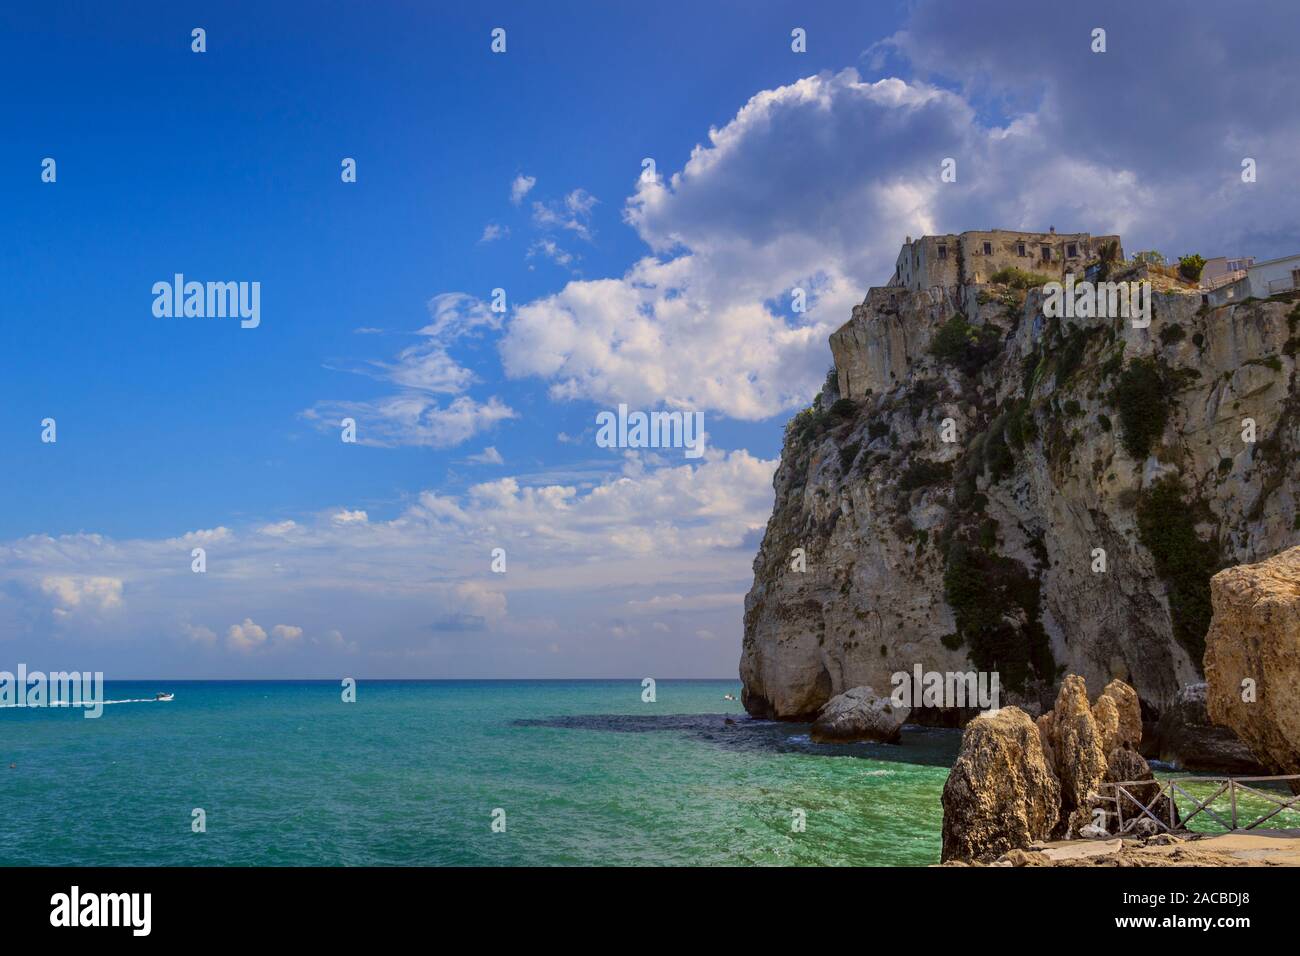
1242	848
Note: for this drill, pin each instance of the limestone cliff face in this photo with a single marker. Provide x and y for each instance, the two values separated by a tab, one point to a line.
979	552
1255	637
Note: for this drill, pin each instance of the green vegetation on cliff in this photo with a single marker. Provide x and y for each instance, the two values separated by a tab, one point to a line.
966	346
1018	278
1142	398
1167	528
996	604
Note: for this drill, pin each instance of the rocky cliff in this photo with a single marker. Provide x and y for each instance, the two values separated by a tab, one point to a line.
981	487
1252	659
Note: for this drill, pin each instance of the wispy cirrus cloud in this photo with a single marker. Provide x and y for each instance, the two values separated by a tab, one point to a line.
572	213
414	415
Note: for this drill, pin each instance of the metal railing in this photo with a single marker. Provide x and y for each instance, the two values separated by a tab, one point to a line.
1124	799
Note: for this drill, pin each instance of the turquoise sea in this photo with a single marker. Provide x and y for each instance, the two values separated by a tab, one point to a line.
409	774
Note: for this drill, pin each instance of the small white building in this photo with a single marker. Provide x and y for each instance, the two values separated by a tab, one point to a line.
1261	280
1224	269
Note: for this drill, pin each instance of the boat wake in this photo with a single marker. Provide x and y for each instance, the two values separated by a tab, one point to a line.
64	703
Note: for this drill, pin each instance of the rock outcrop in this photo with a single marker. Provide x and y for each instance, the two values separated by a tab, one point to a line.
994	798
859	714
1001	793
1252	658
1129	710
1188	739
982	487
1106	716
1080	757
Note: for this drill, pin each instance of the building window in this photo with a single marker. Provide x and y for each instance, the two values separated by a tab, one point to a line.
1020	249
988	248
943	252
1047	253
1071	250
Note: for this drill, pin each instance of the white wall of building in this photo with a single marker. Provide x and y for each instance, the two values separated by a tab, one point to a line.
1261	280
1274	276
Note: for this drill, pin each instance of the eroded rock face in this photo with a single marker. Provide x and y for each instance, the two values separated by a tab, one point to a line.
1047	737
973	554
1001	793
859	714
1106	715
1190	741
1129	710
1255	636
1080	757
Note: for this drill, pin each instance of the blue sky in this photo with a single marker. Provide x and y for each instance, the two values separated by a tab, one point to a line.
775	169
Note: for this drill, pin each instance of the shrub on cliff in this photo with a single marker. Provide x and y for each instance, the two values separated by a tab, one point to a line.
1167	528
1189	267
1018	278
923	473
996	606
966	346
1142	397
1107	256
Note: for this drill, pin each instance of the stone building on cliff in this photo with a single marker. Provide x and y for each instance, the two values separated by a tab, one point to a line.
953	260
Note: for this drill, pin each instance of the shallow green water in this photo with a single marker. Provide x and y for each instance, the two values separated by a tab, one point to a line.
410	774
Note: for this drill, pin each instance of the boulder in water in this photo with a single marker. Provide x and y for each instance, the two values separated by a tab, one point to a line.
859	714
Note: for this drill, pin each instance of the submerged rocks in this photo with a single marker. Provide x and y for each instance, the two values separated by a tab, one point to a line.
1252	657
1001	793
859	714
1190	741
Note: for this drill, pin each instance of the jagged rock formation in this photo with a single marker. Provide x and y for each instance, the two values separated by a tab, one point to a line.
1255	637
994	798
858	714
981	553
1129	710
1079	746
1001	793
1190	741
